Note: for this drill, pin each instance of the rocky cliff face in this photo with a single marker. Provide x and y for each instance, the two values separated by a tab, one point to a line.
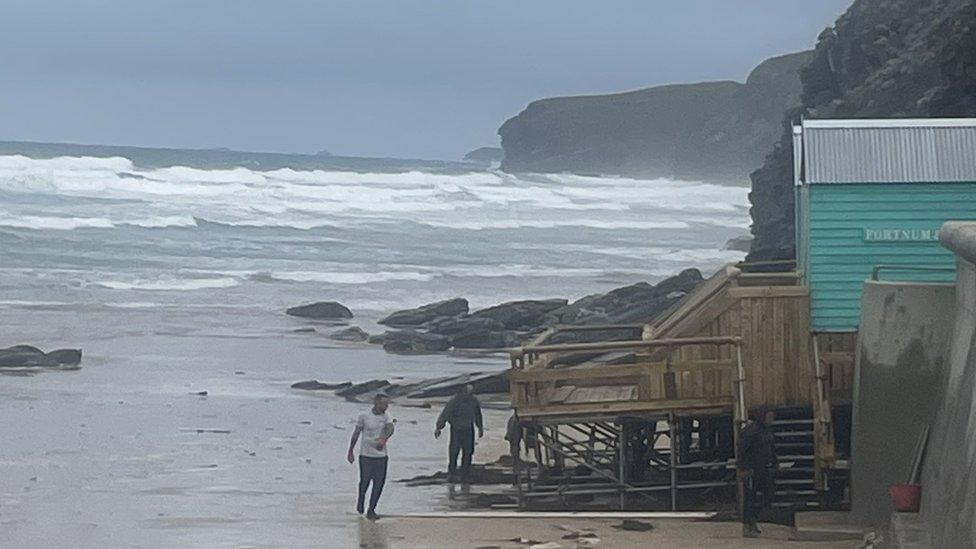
711	130
882	58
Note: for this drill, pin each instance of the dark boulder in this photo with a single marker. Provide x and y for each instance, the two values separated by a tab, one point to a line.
324	310
353	333
521	315
427	313
635	304
23	356
69	357
414	342
465	324
478	339
314	385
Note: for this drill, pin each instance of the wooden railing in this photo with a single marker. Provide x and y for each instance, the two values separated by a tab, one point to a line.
643	386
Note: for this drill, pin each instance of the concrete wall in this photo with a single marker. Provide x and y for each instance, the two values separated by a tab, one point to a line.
902	348
949	473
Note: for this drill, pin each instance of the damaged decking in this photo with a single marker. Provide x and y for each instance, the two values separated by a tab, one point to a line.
644	386
646	411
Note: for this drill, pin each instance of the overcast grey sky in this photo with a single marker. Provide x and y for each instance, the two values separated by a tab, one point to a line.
408	78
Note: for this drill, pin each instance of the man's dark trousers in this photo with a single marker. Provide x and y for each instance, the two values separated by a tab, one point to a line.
371	470
462	442
760	491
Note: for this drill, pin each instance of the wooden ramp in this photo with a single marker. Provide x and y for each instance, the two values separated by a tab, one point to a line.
773	322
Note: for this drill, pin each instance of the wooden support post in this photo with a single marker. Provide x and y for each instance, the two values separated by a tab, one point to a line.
673	435
670	385
622	465
738	420
517	464
823	449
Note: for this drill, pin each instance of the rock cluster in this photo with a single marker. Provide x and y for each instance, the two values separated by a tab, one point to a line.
433	328
449	324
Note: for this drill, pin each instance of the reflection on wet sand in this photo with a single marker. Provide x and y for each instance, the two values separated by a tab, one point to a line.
372	534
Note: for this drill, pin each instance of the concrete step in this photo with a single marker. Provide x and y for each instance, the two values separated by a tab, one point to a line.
827	526
909	532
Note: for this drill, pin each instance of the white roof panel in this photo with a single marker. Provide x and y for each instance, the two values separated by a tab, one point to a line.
918	150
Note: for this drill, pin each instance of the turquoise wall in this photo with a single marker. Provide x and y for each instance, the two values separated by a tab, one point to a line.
845	230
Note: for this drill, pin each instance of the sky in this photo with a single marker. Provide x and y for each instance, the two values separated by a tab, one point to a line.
401	78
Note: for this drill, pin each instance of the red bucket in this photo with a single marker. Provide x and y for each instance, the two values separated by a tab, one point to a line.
906	497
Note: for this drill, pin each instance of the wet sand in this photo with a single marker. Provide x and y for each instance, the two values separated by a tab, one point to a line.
121	453
453	533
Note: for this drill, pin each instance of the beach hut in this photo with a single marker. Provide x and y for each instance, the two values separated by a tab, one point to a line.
871	196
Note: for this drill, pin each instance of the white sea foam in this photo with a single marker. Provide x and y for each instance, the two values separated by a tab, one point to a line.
144	227
55	223
71	223
554	224
335	277
307	199
165	283
163	221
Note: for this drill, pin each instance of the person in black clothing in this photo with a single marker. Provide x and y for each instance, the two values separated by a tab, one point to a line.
463	412
756	465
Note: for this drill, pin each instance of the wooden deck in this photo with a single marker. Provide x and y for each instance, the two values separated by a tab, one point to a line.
641	387
770	323
738	341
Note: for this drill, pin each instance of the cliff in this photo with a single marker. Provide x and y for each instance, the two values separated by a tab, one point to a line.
882	58
485	154
710	130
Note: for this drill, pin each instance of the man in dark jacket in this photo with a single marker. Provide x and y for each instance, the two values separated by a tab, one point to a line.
756	465
463	412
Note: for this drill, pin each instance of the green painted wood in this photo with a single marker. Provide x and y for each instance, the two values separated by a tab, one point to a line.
836	258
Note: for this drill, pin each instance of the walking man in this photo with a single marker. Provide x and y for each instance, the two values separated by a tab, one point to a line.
463	412
375	428
756	464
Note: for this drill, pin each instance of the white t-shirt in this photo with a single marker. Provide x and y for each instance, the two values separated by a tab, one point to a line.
372	426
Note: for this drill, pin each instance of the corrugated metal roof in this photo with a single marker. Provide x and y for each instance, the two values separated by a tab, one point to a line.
920	150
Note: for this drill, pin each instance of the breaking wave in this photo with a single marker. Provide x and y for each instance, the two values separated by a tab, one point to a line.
170	284
68	189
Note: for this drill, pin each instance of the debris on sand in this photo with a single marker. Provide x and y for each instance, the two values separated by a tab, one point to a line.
634	525
315	385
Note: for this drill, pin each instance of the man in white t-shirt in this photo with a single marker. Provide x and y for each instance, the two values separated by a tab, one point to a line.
376	428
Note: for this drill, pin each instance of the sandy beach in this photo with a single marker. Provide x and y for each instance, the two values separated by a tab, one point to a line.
500	533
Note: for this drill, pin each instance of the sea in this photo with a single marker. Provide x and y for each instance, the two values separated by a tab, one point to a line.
172	273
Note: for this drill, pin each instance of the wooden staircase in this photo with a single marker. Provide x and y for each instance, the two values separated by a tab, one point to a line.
796	484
